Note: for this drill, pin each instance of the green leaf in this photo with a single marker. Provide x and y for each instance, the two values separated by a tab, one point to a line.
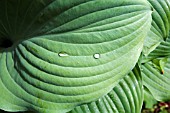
164	111
157	82
161	16
162	63
160	25
151	42
126	97
34	76
156	72
159	64
149	100
162	51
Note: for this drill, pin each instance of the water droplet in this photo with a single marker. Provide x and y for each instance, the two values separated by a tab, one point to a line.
96	56
62	54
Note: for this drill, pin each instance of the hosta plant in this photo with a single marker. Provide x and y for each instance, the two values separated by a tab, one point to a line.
83	56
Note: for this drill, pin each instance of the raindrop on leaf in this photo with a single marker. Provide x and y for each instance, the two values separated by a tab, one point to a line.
62	54
96	56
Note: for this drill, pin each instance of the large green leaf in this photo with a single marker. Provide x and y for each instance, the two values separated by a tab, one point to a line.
157	81
67	53
161	16
126	97
160	25
156	69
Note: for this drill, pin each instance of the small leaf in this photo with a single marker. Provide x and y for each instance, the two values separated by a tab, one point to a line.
162	63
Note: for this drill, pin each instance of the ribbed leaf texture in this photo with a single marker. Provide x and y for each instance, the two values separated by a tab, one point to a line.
156	66
156	82
156	74
160	25
67	52
126	97
163	50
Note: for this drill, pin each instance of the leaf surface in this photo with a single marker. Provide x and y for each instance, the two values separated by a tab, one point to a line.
160	25
126	97
34	73
156	81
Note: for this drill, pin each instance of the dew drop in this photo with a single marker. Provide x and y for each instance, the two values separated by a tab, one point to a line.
63	54
96	56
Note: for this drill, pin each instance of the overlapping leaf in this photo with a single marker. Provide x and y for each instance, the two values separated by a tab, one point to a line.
156	74
156	82
35	74
160	25
149	100
126	97
163	50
